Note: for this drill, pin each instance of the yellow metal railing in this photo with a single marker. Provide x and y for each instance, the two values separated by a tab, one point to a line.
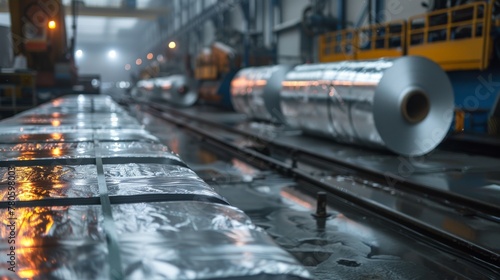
382	40
456	38
338	46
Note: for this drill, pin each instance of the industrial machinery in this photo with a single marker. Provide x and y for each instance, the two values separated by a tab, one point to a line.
462	38
214	70
39	34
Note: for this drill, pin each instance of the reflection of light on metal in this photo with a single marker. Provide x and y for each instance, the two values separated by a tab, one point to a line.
27	273
174	145
56	136
33	223
56	152
56	103
26	242
461	229
243	167
166	85
56	115
56	123
288	194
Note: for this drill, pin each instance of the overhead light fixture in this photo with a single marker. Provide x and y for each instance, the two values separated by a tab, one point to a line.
150	56
79	53
52	24
127	66
172	45
112	54
138	61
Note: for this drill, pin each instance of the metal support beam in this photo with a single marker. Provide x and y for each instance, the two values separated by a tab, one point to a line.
363	15
245	7
341	9
379	11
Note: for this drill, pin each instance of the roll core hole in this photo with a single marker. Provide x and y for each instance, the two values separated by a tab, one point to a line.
415	106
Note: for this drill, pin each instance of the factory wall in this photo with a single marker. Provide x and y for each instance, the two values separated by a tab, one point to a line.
285	29
96	60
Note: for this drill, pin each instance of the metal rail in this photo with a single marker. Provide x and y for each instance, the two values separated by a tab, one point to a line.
482	256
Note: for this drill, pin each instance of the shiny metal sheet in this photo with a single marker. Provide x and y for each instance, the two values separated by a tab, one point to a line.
83	206
167	240
404	105
255	91
79	150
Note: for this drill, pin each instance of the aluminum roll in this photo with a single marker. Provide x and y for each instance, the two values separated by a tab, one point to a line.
146	87
404	105
177	89
255	91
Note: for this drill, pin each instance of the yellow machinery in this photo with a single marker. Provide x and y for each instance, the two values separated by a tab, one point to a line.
214	70
39	33
457	38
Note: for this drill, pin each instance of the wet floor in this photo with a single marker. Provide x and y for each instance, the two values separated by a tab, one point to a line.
350	244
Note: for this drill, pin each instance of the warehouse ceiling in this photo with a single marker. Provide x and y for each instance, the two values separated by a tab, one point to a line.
105	21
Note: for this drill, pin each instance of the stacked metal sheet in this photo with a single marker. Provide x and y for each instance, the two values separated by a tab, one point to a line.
88	194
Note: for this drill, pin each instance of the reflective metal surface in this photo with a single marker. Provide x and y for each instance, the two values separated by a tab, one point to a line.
350	244
404	105
255	91
177	89
101	198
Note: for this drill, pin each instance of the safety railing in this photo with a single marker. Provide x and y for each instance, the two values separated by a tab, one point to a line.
382	40
457	38
338	46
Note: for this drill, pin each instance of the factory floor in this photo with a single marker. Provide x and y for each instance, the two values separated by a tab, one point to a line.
350	244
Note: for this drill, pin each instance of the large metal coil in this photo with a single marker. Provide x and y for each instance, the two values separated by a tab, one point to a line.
177	89
405	104
255	91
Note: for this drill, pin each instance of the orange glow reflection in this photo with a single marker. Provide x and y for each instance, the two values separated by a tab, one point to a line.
297	199
174	145
243	167
56	152
56	136
32	223
56	114
56	123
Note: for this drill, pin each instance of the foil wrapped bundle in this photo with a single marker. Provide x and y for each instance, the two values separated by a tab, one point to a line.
87	193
